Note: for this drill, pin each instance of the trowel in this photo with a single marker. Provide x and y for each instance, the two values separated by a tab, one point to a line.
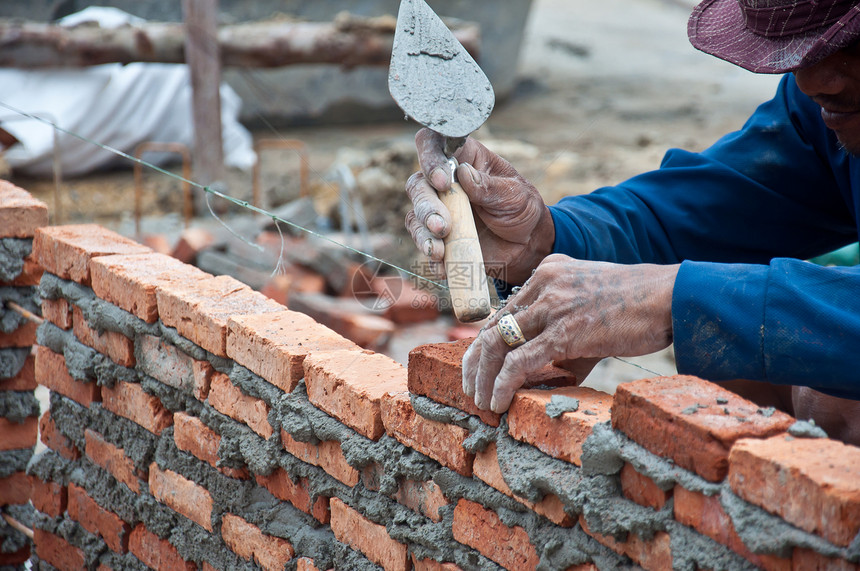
437	83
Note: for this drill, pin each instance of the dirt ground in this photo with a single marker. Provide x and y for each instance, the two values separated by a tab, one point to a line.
606	87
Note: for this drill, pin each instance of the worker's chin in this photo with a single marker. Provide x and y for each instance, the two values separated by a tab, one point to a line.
850	144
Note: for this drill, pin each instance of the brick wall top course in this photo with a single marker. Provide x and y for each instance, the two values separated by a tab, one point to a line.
20	213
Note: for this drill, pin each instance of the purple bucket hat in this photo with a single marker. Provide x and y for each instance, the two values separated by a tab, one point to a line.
774	36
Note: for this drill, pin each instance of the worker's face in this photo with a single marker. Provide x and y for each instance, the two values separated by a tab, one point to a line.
834	83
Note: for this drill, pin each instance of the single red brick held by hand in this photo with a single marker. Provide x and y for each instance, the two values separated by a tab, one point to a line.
199	309
66	251
50	498
328	455
249	542
349	385
642	489
355	530
24	336
15	489
23	380
482	529
131	282
193	436
488	470
811	483
436	372
425	498
560	437
58	311
57	551
297	493
97	520
691	421
654	554
112	459
20	213
181	495
705	514
115	345
229	399
51	371
440	441
56	440
18	435
275	345
130	401
157	553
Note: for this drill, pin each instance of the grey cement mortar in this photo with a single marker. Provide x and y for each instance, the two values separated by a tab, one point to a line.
12	540
137	443
84	363
560	404
18	406
26	297
12	254
172	398
92	546
126	562
240	446
101	486
692	551
12	461
70	418
806	429
49	466
12	361
481	434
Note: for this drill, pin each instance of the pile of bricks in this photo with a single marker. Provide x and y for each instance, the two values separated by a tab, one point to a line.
196	424
20	215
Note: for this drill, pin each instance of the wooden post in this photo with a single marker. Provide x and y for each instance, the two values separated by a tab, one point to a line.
204	65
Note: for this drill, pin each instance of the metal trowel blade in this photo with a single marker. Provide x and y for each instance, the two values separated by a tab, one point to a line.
433	78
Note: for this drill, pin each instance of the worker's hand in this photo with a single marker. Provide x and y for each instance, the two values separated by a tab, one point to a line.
571	309
514	225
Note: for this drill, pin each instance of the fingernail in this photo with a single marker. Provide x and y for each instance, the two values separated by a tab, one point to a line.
473	172
439	178
436	224
428	247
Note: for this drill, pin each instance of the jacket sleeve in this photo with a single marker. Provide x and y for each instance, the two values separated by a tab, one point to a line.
741	216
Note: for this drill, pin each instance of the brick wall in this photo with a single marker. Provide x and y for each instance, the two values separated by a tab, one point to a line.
196	424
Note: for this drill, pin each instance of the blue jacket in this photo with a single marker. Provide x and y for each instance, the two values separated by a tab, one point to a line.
741	216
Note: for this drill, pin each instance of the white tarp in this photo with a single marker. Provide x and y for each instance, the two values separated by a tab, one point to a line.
113	104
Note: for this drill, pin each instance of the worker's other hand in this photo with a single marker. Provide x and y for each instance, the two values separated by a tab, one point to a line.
514	225
571	310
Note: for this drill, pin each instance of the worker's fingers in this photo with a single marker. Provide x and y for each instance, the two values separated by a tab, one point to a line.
493	351
429	210
429	245
470	367
431	157
517	365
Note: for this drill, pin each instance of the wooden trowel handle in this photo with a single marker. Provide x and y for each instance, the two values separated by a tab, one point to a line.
464	262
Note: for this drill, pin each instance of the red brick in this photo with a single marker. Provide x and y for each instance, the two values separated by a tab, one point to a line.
131	282
58	311
681	418
653	555
297	493
31	274
24	336
194	437
642	489
181	495
705	514
16	557
811	483
66	251
560	437
248	542
436	371
191	242
15	489
97	520
402	302
349	385
275	345
229	399
50	498
808	560
158	242
18	435
115	345
199	309
483	530
328	455
488	470
155	552
130	401
24	380
432	565
355	530
51	371
164	362
425	498
113	459
202	372
440	441
56	440
20	213
58	552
